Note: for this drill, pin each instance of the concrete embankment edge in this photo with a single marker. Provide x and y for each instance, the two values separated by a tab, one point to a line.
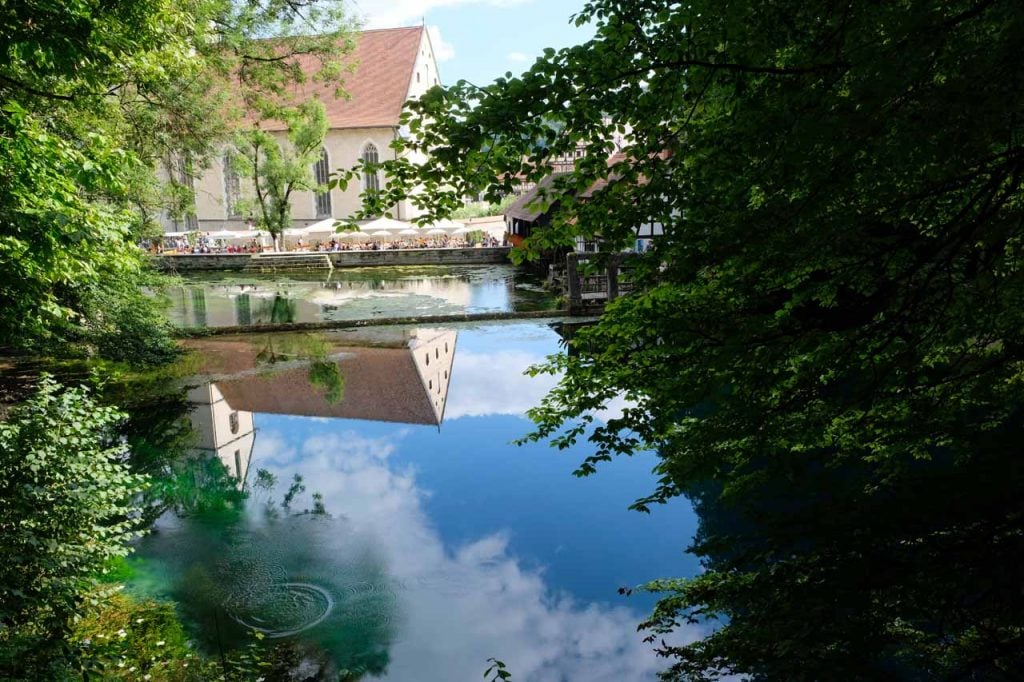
194	332
340	259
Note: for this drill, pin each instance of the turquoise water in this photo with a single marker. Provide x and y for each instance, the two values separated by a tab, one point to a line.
227	299
435	542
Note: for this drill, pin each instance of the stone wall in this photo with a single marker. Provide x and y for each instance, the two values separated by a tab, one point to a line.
343	259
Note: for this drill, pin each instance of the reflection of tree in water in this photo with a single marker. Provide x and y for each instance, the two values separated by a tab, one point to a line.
279	310
290	576
199	305
235	563
323	373
914	567
162	443
243	309
326	376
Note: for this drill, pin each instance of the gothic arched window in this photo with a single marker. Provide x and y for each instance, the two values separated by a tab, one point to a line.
232	188
321	174
371	182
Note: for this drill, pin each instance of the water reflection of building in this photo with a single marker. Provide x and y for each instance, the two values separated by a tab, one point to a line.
405	382
260	302
224	432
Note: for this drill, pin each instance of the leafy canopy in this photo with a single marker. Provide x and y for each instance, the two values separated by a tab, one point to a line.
825	346
97	101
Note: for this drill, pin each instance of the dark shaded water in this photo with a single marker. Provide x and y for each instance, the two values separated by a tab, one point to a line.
227	299
423	541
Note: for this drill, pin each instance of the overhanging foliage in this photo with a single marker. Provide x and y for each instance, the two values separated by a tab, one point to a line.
825	347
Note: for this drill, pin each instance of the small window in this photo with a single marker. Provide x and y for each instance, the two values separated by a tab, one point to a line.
417	76
238	464
446	347
427	358
233	422
430	383
321	174
437	353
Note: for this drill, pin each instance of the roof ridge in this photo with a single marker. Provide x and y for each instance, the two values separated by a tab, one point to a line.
418	27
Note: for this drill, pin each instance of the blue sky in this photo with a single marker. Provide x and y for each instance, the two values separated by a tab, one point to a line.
479	40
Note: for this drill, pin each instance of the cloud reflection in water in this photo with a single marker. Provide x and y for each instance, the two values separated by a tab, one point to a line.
457	606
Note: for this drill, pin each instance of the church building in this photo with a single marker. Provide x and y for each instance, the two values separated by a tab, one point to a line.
391	66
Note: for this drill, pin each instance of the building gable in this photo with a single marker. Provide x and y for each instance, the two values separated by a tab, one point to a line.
384	63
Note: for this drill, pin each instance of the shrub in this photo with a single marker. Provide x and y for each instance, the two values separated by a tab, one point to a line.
65	512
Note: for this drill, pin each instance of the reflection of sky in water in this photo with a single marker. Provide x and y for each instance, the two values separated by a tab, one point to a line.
486	548
509	554
240	299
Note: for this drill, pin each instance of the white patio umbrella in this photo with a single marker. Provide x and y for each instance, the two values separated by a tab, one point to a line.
409	231
247	235
446	224
464	230
384	224
262	235
320	227
380	234
352	235
222	234
437	230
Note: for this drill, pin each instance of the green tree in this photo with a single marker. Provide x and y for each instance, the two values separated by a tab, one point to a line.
277	168
96	99
66	510
825	346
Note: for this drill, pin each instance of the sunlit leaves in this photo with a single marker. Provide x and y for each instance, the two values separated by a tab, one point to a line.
826	339
65	511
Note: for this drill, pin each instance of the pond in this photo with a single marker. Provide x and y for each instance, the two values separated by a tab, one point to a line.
419	540
228	299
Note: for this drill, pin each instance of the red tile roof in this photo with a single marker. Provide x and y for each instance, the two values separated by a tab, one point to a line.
381	384
384	60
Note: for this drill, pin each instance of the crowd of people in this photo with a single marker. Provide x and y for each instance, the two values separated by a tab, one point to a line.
432	242
203	243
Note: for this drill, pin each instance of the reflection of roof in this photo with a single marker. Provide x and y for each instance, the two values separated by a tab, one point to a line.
376	89
380	384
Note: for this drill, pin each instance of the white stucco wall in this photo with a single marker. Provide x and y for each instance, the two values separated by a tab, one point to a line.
433	353
211	421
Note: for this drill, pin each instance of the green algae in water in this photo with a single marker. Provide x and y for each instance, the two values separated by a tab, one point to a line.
299	576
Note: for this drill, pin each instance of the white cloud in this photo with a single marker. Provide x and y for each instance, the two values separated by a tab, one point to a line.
391	13
614	408
458	605
495	384
518	57
442	51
